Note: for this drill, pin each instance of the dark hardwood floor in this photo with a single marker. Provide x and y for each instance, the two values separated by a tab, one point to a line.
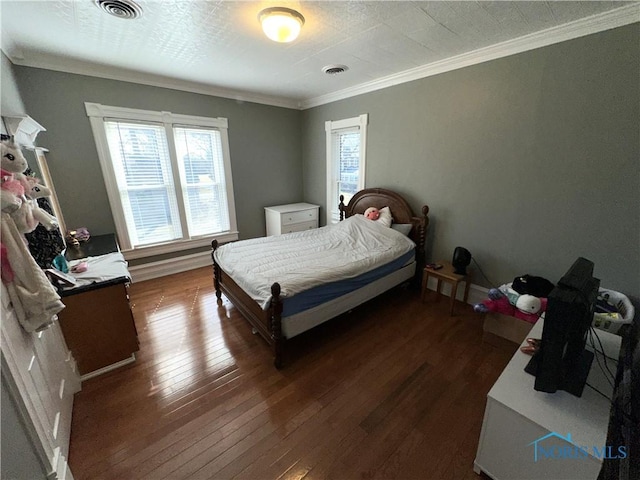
394	390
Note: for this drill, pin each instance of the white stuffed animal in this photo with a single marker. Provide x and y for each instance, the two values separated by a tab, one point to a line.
28	214
36	190
11	192
13	160
39	191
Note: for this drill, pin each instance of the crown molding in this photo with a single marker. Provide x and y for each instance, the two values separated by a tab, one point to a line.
579	28
111	73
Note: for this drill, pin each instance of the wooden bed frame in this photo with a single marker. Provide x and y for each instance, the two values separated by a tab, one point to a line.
268	323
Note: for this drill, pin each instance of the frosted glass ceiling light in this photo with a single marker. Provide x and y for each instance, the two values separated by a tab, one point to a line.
281	24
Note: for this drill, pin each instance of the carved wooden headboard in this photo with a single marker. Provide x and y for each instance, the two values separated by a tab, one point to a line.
400	209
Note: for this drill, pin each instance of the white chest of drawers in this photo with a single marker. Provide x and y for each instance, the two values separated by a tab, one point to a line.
294	217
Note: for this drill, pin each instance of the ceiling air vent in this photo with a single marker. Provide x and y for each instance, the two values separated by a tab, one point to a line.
334	69
127	9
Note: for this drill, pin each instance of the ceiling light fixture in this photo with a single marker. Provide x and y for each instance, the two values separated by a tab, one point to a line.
281	24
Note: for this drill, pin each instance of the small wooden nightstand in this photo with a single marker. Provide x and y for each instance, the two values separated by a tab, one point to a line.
446	274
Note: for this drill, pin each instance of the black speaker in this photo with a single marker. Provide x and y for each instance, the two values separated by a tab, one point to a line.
461	260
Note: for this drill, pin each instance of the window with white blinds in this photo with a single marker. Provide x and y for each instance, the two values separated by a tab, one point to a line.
346	146
142	167
201	166
168	178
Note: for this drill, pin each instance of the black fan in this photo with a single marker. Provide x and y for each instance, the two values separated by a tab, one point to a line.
461	260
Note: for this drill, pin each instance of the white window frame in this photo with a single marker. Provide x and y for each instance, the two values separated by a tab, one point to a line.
97	114
331	127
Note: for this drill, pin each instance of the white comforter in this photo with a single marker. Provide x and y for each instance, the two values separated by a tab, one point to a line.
300	261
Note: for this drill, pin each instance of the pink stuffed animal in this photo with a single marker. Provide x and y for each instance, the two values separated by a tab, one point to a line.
528	307
372	213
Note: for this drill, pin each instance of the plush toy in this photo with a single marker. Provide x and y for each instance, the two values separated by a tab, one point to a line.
30	214
527	307
382	216
12	161
372	213
12	192
9	202
529	304
36	191
26	213
9	182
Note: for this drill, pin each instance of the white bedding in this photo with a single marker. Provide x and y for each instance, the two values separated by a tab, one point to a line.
302	260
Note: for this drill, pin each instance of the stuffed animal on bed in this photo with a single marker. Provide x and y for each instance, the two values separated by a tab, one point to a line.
372	213
527	307
382	216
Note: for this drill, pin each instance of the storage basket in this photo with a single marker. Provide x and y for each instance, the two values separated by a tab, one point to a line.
623	306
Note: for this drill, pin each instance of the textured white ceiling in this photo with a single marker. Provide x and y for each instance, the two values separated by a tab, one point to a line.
219	44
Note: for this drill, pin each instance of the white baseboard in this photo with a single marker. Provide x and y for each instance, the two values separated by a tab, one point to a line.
148	271
476	292
108	368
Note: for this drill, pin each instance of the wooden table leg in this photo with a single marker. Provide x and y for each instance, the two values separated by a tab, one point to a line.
425	281
466	289
454	291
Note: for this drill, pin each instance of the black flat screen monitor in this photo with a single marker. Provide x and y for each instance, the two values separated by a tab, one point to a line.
562	362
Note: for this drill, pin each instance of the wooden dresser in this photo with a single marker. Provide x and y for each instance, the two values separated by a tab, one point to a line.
294	217
97	322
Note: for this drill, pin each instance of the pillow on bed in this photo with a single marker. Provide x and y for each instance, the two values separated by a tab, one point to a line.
385	217
404	228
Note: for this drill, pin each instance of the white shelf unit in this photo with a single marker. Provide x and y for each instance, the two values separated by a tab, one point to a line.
516	416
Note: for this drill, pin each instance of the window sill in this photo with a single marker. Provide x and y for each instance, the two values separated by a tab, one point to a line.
153	250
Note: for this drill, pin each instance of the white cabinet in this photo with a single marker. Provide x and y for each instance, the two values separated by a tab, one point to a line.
42	377
520	422
294	217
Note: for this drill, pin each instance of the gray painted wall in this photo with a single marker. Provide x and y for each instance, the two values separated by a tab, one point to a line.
528	161
263	140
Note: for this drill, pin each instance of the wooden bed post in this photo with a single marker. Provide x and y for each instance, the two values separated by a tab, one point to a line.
216	269
276	325
422	237
341	207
